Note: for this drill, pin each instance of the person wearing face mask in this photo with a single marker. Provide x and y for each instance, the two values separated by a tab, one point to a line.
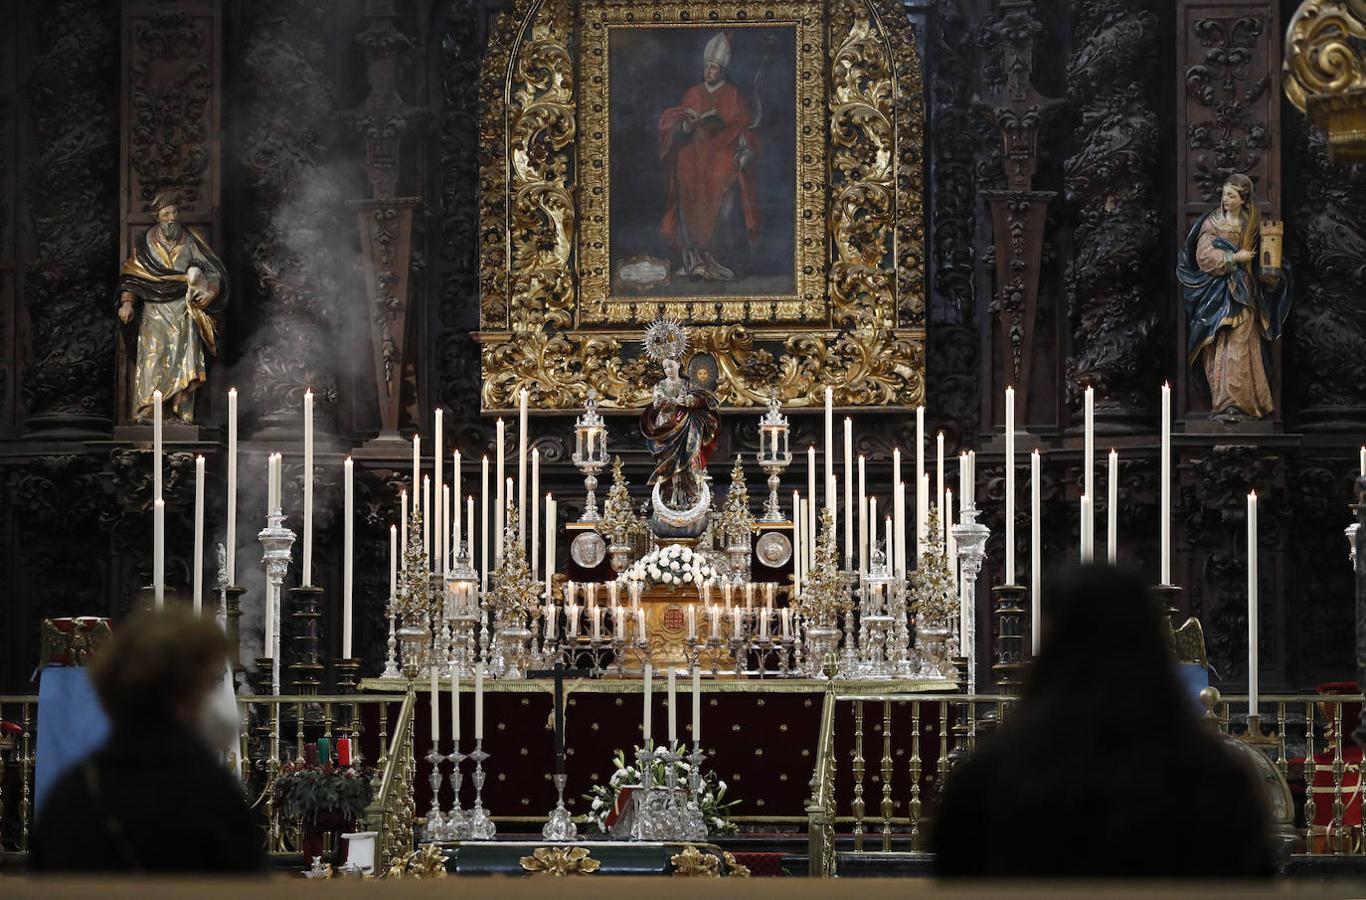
156	796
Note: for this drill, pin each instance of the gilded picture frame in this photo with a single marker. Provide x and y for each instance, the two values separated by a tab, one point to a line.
553	320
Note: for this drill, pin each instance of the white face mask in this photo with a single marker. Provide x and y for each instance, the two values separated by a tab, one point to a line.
218	723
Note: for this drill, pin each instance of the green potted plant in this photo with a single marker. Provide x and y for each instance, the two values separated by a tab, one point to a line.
322	798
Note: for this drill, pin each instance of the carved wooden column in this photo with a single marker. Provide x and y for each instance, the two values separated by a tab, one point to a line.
1017	111
386	220
1228	120
9	207
171	97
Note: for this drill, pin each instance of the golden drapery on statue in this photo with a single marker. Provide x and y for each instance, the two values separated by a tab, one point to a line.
181	287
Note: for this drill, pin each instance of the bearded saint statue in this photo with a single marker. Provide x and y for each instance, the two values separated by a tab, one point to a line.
177	289
1235	307
681	423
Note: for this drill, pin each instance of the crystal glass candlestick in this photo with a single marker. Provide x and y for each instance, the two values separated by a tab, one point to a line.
774	455
694	822
590	454
971	536
479	827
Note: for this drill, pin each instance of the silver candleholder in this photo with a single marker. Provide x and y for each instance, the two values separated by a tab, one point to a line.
590	454
391	657
972	550
276	542
559	825
457	821
479	827
436	823
774	456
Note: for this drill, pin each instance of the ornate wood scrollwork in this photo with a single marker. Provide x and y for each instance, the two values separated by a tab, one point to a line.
544	269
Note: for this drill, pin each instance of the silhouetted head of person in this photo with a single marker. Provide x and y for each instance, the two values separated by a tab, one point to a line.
1104	649
159	665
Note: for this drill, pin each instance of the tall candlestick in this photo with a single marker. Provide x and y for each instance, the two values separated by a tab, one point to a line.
829	445
1089	438
894	564
1085	536
872	531
951	542
811	494
403	522
1165	513
455	704
939	471
499	501
797	542
443	545
1252	610
673	707
919	444
457	533
469	517
159	551
270	483
922	508
1112	510
1035	551
439	564
1363	462
306	575
535	513
862	516
198	535
550	517
427	517
232	486
393	562
1010	485
696	705
898	548
848	493
417	466
156	445
479	702
435	708
888	531
484	524
521	466
647	688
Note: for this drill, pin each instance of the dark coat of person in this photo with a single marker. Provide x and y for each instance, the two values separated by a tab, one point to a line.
160	801
1104	769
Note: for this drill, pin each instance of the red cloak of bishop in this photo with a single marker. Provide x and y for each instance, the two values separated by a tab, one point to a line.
701	166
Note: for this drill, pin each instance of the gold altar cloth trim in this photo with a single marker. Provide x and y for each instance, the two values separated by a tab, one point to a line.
708	686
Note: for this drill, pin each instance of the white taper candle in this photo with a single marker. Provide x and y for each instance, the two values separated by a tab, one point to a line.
198	561
232	486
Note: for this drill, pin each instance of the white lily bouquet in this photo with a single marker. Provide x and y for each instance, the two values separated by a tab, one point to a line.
673	565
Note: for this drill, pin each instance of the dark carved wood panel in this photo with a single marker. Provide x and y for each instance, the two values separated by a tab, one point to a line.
1112	190
69	184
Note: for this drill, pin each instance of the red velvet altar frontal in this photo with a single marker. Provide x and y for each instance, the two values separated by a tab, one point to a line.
759	738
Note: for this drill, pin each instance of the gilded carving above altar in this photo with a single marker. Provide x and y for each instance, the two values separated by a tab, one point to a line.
761	178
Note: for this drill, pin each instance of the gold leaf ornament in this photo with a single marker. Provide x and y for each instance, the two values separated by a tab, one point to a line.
692	863
560	861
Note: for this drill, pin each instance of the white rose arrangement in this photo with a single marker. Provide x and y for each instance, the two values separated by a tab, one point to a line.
672	565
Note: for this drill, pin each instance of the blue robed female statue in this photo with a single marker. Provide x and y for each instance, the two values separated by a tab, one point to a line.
1235	306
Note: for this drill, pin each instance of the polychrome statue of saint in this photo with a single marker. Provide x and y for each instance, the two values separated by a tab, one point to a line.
680	425
177	289
707	145
1237	297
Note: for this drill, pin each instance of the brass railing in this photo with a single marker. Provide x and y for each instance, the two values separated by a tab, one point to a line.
275	730
16	756
875	741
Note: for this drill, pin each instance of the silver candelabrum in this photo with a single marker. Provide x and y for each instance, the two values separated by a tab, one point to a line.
972	550
276	542
478	825
590	454
774	455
